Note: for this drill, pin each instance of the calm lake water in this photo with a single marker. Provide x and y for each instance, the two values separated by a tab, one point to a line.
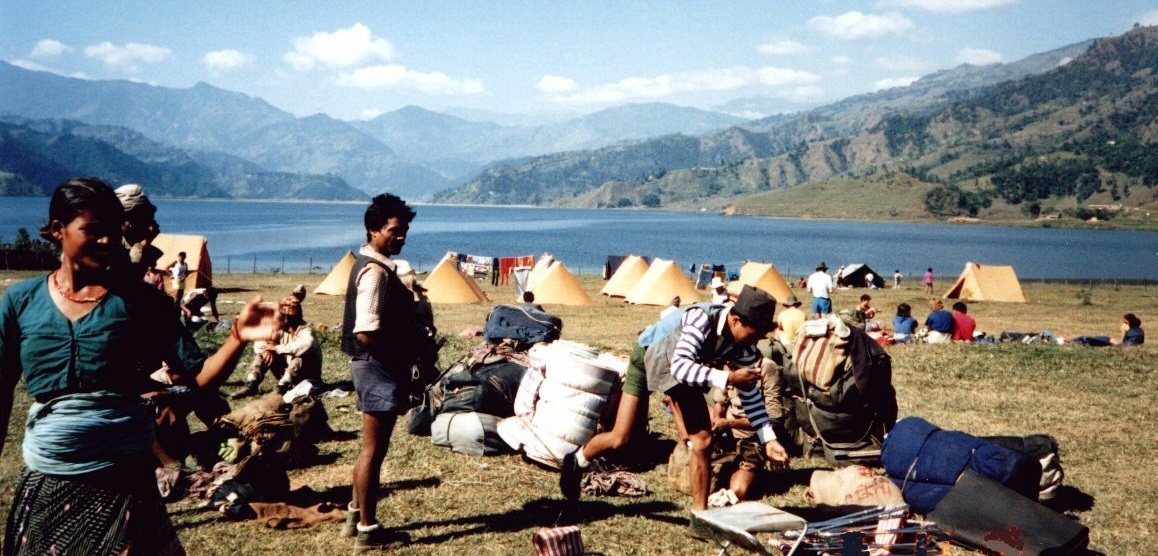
298	236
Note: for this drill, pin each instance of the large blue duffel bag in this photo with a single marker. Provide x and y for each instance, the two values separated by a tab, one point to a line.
525	324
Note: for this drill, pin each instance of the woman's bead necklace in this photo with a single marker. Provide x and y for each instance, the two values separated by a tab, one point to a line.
73	298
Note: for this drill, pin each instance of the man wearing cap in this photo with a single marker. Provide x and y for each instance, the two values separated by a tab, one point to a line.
712	346
139	229
820	286
789	320
296	356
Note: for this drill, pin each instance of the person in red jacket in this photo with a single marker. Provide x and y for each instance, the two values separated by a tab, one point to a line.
963	324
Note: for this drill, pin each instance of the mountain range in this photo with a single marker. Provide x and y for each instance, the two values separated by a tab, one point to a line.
411	152
968	131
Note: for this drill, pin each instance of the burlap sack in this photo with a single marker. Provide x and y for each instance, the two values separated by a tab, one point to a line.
677	468
854	485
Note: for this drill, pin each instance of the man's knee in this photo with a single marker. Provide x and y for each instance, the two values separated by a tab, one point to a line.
700	443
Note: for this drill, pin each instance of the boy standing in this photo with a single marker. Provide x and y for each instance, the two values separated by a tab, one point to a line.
379	333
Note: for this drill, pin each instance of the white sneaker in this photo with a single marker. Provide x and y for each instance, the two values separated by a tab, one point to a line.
722	499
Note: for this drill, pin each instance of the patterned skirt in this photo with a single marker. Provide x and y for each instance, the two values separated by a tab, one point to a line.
102	513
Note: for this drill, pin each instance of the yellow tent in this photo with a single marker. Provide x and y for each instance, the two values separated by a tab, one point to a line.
980	282
660	283
196	249
446	284
539	270
558	286
339	277
763	276
626	276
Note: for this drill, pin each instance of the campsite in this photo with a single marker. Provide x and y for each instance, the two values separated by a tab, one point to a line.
1098	403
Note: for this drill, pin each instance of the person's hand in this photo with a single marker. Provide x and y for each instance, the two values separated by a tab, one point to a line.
777	456
743	377
267	357
258	321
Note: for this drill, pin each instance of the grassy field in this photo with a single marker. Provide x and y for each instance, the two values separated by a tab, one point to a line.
1099	403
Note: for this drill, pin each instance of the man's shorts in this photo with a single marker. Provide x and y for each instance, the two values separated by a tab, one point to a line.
380	389
743	454
821	306
635	383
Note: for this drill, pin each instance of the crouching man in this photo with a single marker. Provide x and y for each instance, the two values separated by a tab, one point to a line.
712	346
295	357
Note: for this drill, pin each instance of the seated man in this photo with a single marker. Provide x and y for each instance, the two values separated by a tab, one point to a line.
737	457
295	357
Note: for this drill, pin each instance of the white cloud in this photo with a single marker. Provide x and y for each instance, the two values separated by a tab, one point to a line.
220	61
49	48
370	113
126	57
947	5
554	85
977	56
723	79
894	82
398	76
341	49
808	93
783	47
856	25
29	65
1149	18
902	63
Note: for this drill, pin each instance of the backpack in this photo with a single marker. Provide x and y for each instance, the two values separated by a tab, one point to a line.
842	398
525	324
489	386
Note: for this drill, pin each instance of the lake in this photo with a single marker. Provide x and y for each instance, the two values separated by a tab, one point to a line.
312	236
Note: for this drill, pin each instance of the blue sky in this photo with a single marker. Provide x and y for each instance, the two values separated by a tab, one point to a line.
357	59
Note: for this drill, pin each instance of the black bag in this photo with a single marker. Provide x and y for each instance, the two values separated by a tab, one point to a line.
489	388
525	324
981	512
483	388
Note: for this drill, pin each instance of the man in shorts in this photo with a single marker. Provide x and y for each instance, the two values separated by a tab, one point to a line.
379	333
820	286
713	346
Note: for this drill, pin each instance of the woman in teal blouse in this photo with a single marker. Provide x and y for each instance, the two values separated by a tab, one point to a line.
84	339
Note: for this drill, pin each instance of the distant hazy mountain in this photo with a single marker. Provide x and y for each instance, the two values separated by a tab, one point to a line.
35	155
453	143
206	118
855	136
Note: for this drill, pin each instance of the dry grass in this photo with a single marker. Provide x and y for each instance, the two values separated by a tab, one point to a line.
1098	402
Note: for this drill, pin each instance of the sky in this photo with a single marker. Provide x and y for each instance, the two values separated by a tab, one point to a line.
358	59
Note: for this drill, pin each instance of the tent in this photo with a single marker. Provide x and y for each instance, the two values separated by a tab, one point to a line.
980	282
626	276
539	270
763	276
558	286
339	277
446	284
660	283
854	276
196	250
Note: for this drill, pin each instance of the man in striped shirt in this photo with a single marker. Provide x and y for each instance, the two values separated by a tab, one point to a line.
713	346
